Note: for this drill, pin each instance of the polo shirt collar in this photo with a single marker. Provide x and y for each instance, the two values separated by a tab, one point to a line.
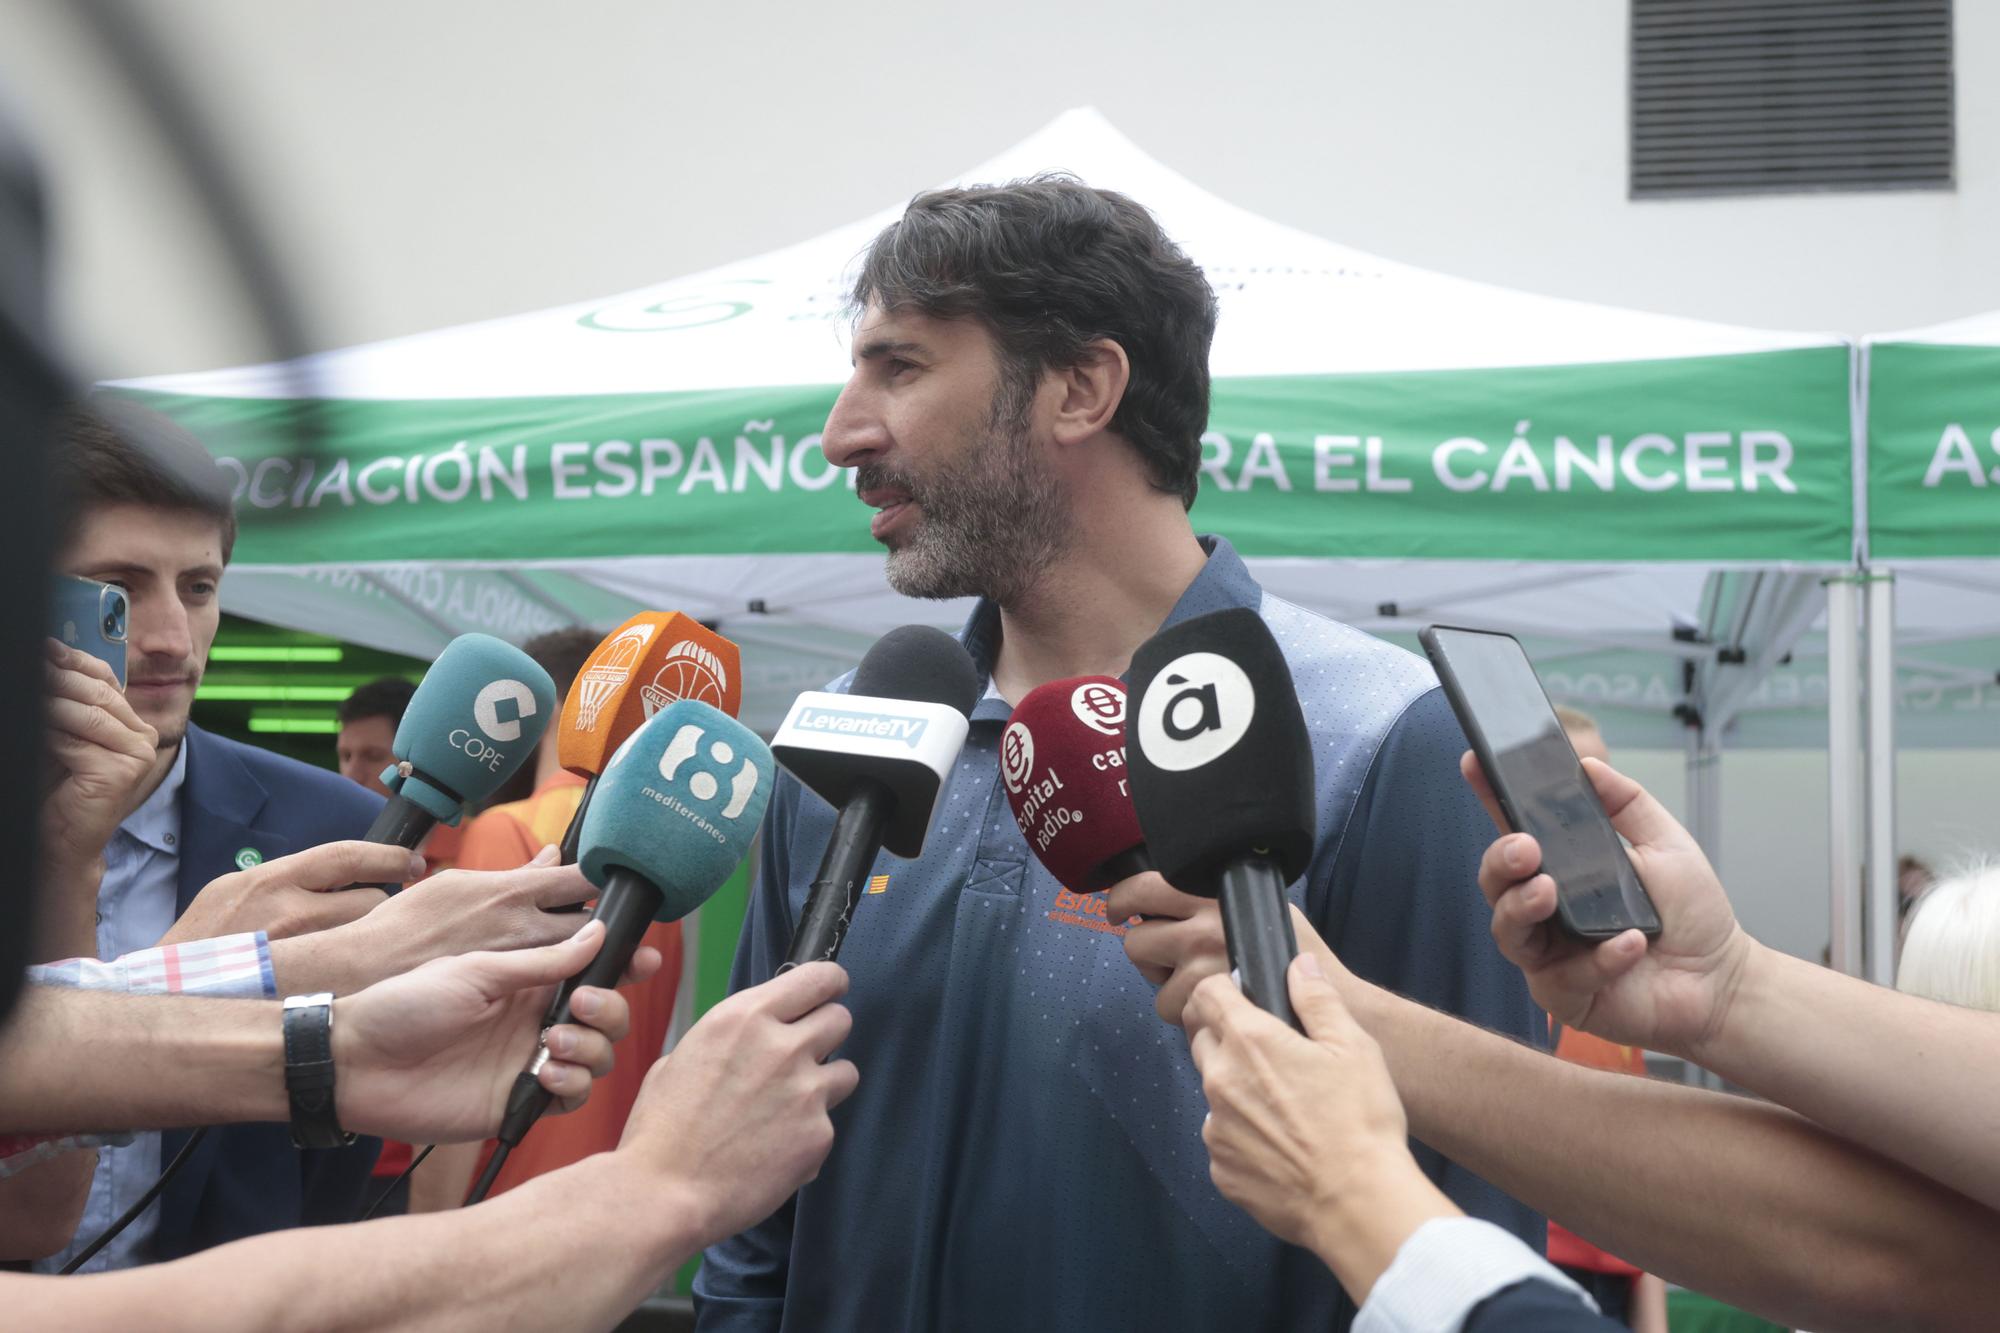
1224	582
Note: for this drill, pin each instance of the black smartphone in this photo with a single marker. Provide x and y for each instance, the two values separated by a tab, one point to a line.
91	618
1540	783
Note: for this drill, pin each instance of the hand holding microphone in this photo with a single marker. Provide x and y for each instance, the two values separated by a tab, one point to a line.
1222	780
676	809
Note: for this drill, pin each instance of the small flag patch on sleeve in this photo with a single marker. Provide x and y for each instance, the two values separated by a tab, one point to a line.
878	884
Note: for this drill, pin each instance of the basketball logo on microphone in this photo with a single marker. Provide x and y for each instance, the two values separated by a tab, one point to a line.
1017	756
600	680
1099	707
690	672
1194	711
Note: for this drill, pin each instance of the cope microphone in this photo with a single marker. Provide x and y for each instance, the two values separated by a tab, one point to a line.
1062	765
1222	780
642	666
879	755
677	807
477	716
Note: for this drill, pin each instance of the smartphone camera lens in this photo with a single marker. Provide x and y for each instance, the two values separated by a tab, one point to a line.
114	618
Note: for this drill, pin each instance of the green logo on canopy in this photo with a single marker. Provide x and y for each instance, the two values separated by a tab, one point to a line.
247	857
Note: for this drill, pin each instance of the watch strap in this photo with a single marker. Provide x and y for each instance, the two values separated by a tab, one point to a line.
309	1072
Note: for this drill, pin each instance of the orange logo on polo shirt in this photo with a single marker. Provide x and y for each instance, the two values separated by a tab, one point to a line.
1086	910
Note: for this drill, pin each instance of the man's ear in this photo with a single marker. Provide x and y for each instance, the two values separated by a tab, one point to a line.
1091	391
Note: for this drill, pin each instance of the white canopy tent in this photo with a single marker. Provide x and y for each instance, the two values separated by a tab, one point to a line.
1649	501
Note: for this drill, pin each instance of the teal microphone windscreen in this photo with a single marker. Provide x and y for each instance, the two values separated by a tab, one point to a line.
476	718
678	805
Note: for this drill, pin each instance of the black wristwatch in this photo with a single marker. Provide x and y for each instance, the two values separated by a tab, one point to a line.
309	1072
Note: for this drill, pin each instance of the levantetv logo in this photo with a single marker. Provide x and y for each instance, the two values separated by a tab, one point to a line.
854	722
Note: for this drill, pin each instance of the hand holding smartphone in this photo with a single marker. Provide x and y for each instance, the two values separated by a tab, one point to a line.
1538	780
90	617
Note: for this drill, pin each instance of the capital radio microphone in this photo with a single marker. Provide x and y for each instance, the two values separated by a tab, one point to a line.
645	664
675	812
477	716
1222	780
1062	765
879	755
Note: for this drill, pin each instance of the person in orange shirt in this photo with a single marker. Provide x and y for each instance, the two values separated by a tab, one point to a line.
506	836
1622	1291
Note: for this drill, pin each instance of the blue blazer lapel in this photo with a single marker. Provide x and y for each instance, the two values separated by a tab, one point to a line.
220	802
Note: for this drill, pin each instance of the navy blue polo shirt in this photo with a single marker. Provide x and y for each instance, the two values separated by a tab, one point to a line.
1024	1152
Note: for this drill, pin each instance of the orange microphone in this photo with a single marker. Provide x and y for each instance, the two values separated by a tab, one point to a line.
645	664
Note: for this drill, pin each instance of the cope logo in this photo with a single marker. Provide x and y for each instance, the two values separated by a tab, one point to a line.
501	707
1100	707
1017	756
1195	709
702	784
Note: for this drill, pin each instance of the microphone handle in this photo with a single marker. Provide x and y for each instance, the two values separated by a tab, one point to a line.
1122	866
401	823
1257	922
573	836
856	841
627	906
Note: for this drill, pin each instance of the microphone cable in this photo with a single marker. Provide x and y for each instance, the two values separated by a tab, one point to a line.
492	1172
144	1202
397	1183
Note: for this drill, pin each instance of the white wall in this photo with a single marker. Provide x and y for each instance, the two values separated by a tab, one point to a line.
431	163
438	162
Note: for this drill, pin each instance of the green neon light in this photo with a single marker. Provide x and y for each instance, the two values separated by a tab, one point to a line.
318	726
275	694
300	653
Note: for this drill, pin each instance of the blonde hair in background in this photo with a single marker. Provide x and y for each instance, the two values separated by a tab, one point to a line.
1575	719
1952	949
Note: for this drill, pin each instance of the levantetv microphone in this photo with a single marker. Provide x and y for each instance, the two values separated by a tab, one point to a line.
478	715
675	813
1221	774
1062	764
642	666
879	755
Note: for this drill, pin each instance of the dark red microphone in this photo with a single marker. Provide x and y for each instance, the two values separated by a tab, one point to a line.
1062	763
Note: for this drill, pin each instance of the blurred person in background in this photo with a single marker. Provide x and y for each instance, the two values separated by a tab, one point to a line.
1951	949
153	515
505	836
368	721
1913	877
1621	1290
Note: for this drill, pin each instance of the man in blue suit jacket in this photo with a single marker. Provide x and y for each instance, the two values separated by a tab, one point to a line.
154	515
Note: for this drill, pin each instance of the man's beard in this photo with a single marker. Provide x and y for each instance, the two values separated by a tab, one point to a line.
994	517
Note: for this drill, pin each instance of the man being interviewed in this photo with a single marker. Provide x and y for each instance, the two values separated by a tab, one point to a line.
1030	386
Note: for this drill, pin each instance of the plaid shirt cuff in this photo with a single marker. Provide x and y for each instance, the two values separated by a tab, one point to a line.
230	967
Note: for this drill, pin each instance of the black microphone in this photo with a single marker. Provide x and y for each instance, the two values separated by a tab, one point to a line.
878	754
1222	779
477	716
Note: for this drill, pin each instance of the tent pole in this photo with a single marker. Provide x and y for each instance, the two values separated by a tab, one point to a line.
1884	918
1843	731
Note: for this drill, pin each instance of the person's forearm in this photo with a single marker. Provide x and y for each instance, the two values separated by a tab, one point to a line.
66	915
1913	1079
336	960
155	1062
1649	1304
1359	1234
1748	1202
41	1206
576	1249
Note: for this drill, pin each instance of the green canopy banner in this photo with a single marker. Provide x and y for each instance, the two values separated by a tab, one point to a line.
1934	443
